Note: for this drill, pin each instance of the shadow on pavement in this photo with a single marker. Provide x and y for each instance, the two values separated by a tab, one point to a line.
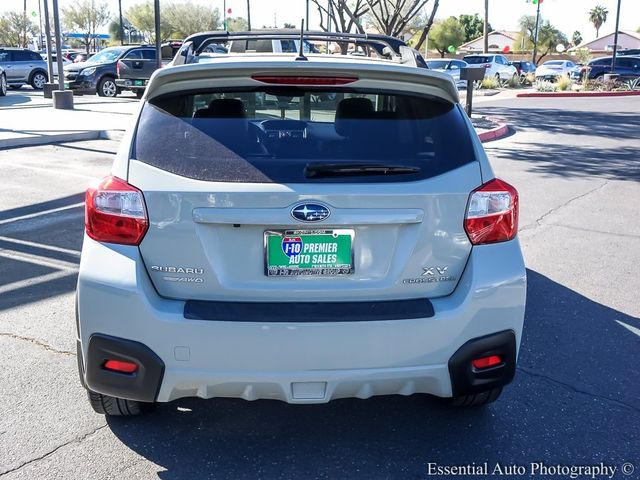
610	163
39	250
577	380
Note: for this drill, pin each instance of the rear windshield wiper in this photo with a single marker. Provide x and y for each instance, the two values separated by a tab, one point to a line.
318	170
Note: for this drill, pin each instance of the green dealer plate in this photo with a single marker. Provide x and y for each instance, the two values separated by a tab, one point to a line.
308	252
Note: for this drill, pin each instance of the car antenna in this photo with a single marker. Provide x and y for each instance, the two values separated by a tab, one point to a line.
301	56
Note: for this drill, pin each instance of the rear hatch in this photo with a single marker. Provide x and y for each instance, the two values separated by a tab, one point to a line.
302	189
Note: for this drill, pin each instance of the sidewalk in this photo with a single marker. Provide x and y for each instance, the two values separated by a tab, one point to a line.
27	118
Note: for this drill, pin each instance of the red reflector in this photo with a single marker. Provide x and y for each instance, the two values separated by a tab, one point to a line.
278	80
120	366
486	362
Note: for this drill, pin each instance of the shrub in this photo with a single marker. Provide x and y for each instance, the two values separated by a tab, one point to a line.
543	86
563	83
490	82
514	82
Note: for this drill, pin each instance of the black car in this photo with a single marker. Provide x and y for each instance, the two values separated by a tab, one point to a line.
524	68
98	74
627	66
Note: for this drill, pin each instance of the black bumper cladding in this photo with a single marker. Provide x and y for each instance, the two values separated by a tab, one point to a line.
466	380
143	385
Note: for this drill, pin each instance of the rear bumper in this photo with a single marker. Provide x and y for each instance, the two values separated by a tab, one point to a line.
299	362
130	84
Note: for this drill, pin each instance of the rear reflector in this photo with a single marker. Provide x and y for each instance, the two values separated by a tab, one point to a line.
486	362
115	212
280	80
120	366
492	213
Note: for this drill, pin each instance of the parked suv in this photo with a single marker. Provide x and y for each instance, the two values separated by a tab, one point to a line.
496	66
525	70
628	67
22	66
301	231
98	74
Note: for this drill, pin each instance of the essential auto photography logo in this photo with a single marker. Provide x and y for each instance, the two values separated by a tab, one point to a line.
533	469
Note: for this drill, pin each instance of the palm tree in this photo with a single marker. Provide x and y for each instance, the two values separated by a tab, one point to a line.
598	16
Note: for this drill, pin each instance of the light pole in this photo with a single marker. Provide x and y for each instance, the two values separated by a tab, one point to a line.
615	40
47	34
121	24
156	13
249	15
485	30
535	33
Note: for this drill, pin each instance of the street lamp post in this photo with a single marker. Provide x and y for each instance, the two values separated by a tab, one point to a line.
535	33
121	25
156	13
47	33
615	40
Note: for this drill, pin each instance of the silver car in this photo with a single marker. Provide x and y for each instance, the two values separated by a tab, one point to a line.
451	67
22	67
301	231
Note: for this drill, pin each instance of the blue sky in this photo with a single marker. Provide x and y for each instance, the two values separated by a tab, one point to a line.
567	15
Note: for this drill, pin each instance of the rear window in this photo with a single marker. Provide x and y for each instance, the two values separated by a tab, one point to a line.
476	60
302	135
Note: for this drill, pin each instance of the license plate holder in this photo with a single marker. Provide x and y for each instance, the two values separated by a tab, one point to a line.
308	252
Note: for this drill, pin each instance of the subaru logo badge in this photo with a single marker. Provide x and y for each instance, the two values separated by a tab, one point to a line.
310	212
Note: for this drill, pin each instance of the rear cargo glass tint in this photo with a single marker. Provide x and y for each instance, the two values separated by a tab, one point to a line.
279	135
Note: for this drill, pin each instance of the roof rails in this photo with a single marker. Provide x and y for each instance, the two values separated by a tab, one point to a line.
384	45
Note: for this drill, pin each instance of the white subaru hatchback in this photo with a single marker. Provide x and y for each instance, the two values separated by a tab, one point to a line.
301	229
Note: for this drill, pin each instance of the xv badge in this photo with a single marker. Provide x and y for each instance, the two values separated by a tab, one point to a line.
430	271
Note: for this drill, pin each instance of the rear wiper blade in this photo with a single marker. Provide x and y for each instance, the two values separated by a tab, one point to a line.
318	170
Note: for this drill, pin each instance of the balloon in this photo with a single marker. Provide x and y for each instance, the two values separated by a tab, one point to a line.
228	10
560	48
451	49
506	49
34	14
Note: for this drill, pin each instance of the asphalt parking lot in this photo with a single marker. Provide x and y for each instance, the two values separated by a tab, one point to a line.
575	399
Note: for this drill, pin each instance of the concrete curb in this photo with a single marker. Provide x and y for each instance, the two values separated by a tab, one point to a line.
37	140
494	134
578	94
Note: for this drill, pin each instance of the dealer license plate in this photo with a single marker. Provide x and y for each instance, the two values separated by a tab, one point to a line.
308	252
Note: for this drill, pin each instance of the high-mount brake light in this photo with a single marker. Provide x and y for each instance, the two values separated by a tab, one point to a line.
115	212
492	213
297	80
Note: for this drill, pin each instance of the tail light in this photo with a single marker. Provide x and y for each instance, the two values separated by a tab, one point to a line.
118	68
488	65
492	213
115	212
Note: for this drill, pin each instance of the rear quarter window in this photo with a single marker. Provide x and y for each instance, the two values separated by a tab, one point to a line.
277	135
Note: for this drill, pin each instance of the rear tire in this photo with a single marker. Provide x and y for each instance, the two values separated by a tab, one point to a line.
139	93
476	399
3	85
112	406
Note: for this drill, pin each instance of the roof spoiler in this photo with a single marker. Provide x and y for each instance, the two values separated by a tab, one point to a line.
384	45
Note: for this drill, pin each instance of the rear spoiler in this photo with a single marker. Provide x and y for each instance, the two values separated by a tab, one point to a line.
384	45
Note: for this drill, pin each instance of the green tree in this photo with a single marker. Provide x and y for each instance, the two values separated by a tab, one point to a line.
472	26
14	28
576	39
548	36
237	24
142	18
185	18
85	17
446	33
598	16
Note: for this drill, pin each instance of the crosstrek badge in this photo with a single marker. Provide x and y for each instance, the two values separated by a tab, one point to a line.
291	246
